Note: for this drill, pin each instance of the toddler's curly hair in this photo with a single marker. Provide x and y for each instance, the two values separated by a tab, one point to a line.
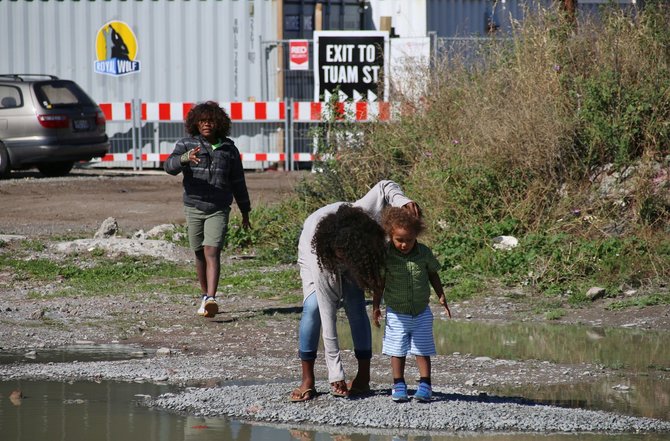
209	110
393	217
351	238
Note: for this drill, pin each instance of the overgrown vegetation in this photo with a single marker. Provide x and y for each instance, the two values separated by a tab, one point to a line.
559	136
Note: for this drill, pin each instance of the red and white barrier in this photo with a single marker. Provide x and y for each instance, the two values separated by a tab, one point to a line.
349	111
272	111
176	112
162	157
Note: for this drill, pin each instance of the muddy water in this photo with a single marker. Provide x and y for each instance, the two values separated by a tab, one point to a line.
641	357
110	411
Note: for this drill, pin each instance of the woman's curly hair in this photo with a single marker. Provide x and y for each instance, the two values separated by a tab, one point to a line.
394	217
351	238
211	111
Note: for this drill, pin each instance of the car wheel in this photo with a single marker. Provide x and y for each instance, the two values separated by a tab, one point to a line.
53	169
5	166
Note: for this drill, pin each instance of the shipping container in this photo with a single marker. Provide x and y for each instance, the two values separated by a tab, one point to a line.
187	50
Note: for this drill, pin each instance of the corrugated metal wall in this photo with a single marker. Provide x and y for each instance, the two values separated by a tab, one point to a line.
189	50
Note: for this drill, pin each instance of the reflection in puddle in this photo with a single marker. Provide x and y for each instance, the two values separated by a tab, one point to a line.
640	396
77	352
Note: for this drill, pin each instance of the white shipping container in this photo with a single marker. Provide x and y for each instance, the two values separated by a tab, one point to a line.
188	51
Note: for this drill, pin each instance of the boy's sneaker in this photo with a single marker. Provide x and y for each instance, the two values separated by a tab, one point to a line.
211	307
424	393
201	310
208	307
399	393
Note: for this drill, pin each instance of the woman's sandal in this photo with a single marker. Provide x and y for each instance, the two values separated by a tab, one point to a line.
339	389
298	395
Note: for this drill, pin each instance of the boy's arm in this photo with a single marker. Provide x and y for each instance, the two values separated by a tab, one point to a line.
174	165
436	283
239	187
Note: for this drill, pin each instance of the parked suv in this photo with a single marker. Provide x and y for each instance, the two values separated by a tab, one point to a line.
48	123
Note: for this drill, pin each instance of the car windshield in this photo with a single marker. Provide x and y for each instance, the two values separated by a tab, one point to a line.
59	94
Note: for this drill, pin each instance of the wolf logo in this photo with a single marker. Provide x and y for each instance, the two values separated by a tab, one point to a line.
115	46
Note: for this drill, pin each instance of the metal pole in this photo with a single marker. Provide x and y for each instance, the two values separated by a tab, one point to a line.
133	130
264	74
288	133
139	131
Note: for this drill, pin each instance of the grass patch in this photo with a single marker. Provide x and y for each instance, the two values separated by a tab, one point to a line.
253	280
640	302
555	314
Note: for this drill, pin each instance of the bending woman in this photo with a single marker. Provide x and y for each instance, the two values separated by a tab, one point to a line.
341	253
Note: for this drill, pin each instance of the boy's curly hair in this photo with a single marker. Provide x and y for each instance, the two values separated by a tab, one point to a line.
208	110
394	217
352	238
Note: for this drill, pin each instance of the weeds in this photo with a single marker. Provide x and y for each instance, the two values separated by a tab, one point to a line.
557	136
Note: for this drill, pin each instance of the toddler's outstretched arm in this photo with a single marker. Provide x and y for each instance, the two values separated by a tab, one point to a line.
436	283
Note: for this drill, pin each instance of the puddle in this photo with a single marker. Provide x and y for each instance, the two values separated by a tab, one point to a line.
641	396
77	352
110	411
641	356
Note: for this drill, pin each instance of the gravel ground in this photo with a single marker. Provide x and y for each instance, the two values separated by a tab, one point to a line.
243	362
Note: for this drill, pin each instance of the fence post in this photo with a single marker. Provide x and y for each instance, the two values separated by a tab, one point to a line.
289	127
136	112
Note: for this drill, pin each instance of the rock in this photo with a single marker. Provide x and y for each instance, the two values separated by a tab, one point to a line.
163	351
11	237
108	229
505	242
159	231
36	315
15	397
595	293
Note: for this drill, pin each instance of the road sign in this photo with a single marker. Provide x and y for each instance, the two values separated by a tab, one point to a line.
352	64
298	54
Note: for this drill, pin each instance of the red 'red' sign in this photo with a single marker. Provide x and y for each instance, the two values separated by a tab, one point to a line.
299	54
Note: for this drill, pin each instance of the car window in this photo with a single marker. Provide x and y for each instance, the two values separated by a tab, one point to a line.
55	94
10	97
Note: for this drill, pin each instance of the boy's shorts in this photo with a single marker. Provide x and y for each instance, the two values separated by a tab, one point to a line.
206	228
405	334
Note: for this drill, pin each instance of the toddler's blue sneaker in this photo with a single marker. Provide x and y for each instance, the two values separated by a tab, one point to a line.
424	393
399	393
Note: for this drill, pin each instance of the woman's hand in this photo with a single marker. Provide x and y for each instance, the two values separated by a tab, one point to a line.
413	208
376	316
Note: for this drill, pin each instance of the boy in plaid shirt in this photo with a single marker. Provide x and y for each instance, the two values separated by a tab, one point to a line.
411	269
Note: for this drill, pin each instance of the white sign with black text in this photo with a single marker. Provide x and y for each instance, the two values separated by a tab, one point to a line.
352	64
